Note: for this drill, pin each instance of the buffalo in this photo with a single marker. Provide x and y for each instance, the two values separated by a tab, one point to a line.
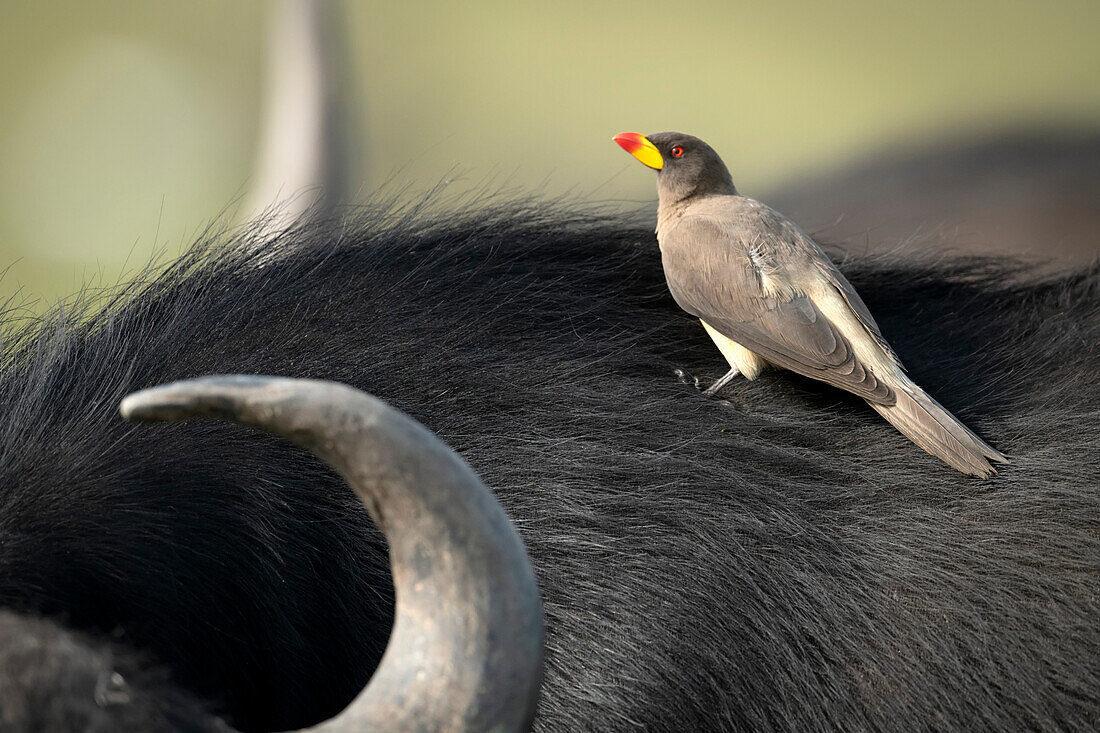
777	559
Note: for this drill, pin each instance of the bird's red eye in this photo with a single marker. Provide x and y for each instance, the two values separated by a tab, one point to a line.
677	151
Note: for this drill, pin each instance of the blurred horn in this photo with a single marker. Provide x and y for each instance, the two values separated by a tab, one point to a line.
305	162
466	649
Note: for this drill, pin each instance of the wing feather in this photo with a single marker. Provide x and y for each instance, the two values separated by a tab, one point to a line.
718	280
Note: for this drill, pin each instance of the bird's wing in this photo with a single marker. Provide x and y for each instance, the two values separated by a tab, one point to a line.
716	279
851	297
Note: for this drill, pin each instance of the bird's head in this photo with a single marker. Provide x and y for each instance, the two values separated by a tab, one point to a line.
686	166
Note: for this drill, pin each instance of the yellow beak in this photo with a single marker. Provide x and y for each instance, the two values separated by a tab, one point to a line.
641	148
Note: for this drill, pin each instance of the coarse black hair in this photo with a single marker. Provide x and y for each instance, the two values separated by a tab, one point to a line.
779	559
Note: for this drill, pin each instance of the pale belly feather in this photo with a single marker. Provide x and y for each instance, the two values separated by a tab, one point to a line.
746	362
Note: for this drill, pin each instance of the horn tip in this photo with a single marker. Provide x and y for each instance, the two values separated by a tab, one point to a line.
190	397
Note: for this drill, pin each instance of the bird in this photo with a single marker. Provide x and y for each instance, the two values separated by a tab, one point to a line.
768	295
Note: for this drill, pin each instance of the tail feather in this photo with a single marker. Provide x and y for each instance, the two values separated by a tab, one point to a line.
925	422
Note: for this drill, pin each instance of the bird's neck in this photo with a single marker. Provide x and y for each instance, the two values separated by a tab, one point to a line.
669	212
672	199
670	209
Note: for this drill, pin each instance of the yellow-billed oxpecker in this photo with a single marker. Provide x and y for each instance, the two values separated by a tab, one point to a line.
768	295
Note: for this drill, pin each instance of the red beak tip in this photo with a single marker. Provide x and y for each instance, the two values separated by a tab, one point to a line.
628	141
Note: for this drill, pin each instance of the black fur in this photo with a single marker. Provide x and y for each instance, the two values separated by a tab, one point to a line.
780	560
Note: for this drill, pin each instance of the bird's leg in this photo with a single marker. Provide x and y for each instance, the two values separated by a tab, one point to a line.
733	372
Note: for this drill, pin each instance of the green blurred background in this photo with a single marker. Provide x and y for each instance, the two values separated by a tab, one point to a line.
127	126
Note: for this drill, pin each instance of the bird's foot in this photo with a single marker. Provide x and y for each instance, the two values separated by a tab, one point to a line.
713	389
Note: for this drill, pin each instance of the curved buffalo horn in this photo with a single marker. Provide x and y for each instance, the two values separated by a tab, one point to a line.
465	653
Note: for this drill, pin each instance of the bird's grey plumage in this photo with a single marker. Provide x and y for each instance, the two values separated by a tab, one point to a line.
769	295
747	293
